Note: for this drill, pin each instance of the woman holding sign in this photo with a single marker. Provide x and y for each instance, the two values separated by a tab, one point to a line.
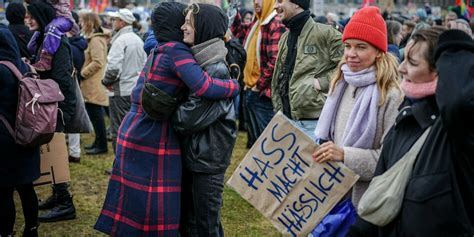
363	99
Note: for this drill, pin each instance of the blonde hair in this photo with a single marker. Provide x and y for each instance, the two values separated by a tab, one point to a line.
387	75
91	23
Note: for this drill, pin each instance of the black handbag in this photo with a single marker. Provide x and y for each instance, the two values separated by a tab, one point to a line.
80	122
156	103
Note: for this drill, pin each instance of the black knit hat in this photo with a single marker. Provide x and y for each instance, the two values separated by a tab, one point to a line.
42	12
453	40
302	3
15	13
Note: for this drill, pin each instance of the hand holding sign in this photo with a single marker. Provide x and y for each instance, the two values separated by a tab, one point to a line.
328	151
280	179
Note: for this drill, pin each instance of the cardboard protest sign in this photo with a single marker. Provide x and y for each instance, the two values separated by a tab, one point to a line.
279	178
54	161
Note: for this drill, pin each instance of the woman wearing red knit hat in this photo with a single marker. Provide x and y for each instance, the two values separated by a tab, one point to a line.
363	99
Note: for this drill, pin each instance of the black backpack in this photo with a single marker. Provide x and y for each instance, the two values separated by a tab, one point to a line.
236	59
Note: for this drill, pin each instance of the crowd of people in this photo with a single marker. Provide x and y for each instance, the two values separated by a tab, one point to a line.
365	89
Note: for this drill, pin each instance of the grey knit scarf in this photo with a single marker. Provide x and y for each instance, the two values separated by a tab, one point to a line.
209	52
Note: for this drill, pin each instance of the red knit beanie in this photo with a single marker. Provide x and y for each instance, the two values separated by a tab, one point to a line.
367	25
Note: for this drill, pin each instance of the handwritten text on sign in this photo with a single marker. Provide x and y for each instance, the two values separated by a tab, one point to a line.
279	178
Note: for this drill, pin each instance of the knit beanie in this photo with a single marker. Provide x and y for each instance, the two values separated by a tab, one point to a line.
367	25
302	3
15	13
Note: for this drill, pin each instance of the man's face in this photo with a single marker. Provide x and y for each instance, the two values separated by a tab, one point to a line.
257	5
286	9
448	19
117	24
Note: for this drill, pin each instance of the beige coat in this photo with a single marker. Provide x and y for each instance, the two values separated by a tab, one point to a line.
94	69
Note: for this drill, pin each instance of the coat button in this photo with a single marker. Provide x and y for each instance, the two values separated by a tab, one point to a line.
433	117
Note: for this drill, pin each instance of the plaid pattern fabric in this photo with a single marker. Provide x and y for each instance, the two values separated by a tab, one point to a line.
271	34
143	196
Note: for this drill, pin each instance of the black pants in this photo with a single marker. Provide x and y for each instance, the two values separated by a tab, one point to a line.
29	202
96	114
201	204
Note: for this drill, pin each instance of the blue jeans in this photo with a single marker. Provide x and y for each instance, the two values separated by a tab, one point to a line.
307	127
201	202
259	111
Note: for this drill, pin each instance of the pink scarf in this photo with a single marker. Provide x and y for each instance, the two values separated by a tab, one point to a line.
418	90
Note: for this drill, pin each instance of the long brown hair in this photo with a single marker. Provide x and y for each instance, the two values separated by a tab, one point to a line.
387	75
91	23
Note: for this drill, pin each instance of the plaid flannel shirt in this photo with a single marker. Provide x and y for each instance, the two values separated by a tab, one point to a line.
271	30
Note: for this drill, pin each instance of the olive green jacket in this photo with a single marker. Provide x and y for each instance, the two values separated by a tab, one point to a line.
319	50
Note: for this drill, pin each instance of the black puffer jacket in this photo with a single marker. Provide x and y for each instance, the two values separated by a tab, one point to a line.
208	129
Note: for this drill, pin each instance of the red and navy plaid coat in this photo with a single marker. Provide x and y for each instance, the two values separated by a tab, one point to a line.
271	31
143	197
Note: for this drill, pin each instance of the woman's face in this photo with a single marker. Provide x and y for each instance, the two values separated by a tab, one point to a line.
415	67
359	54
31	22
188	29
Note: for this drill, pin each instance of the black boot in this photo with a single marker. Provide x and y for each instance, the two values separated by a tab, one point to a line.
64	208
50	202
33	232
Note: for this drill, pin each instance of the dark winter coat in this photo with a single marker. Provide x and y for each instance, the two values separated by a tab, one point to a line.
61	73
208	129
19	165
61	64
78	46
438	200
22	36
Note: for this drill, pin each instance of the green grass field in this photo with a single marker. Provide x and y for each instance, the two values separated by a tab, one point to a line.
89	185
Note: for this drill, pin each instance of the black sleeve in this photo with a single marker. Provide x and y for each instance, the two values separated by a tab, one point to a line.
61	70
455	89
196	113
362	229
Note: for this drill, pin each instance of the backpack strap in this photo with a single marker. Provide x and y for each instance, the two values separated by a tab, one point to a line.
12	68
17	73
7	125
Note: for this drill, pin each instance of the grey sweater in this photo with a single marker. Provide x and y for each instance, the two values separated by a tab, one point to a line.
364	161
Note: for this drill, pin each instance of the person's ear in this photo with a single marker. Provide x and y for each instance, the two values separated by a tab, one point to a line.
379	55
